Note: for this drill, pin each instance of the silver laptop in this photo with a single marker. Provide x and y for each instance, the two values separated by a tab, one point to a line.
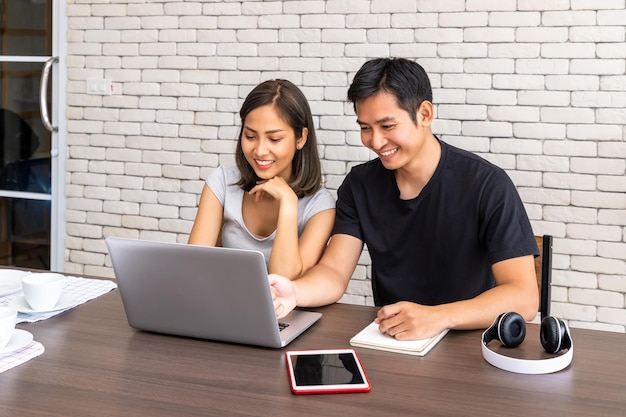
203	292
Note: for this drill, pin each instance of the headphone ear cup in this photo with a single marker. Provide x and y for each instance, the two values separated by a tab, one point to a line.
552	334
512	329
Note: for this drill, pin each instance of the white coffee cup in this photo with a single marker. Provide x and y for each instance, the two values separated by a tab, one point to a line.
42	291
8	317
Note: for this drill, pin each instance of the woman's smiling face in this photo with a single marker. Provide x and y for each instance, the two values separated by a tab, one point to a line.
269	143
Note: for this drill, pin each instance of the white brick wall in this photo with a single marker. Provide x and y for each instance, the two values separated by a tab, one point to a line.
536	86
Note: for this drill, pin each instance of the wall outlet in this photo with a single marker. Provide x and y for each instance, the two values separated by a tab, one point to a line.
101	86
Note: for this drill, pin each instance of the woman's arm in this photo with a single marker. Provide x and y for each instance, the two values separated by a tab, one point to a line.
208	223
291	257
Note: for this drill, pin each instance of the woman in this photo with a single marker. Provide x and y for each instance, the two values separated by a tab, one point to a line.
273	201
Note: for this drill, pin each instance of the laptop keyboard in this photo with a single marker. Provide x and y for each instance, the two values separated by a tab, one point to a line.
282	326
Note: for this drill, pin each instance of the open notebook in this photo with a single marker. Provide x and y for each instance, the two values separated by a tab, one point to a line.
370	337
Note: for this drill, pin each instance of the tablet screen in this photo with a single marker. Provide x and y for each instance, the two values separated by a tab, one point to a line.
326	371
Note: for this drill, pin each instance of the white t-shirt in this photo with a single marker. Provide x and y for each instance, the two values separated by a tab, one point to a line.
223	182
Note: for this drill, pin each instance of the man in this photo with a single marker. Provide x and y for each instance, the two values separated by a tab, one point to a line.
450	241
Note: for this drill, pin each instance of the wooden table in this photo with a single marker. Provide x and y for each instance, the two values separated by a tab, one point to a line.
96	365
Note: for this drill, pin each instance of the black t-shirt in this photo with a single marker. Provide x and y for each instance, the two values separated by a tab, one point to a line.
438	247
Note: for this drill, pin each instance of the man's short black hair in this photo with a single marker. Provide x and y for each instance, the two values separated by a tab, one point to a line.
403	78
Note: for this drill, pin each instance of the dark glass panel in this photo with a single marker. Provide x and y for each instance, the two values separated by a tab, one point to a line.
25	233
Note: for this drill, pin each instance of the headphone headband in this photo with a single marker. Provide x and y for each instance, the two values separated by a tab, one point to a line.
525	366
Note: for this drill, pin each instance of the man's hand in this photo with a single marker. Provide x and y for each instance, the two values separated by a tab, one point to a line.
283	294
410	321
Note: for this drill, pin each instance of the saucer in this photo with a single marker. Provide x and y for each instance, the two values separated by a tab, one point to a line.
11	280
18	340
21	305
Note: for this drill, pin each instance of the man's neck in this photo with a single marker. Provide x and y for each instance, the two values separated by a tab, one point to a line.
414	176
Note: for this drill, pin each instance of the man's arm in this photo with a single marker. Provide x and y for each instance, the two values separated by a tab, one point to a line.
515	290
324	283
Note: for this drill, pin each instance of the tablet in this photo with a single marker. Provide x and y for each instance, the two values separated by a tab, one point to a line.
328	371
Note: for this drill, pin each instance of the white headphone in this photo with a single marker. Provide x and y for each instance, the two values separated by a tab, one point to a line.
510	330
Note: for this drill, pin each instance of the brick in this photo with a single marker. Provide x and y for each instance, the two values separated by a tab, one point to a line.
611	116
574	311
462	112
576	247
143	62
179	35
598	166
513	114
142	169
347	6
195	49
612	315
568	18
612	217
86	258
86	23
368	51
279	21
518	82
347	153
180	172
139	35
593	264
491	129
104	219
605	200
596	297
478	81
160	236
446	127
542	66
570	214
175	226
439	35
490	34
597	34
594	66
612	17
514	18
139	196
120	207
158	210
567	115
616	250
544	196
437	6
598	99
480	96
516	50
84	230
140	222
597	4
612	183
544	98
612	283
515	146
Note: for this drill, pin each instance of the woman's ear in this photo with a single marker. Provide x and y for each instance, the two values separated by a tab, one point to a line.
302	140
425	114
